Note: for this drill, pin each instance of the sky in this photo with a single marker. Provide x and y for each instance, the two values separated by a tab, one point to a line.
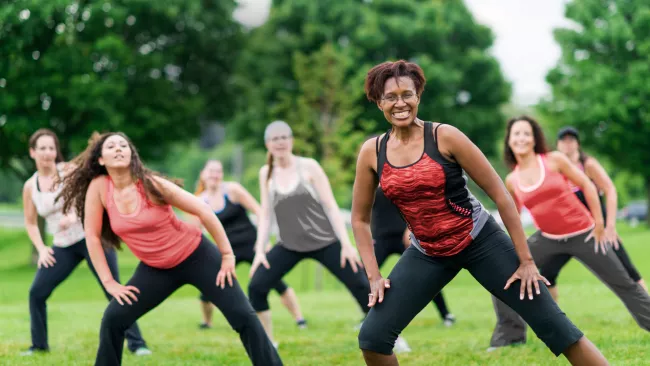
524	43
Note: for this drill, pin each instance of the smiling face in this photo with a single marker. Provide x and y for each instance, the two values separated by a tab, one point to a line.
45	151
116	152
279	141
212	174
568	145
400	101
521	139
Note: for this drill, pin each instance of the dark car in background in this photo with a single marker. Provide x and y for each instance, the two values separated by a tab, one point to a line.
634	212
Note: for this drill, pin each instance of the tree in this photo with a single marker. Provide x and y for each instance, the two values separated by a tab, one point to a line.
465	85
151	69
323	113
600	83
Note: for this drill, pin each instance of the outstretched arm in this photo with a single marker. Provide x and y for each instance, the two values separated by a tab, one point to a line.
93	221
472	160
363	197
185	201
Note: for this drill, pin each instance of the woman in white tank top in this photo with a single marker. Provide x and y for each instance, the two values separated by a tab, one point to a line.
68	249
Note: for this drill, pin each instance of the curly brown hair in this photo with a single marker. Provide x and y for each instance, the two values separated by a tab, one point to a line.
377	76
75	184
538	136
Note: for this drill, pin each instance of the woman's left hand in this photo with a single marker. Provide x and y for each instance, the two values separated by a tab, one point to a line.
528	274
227	271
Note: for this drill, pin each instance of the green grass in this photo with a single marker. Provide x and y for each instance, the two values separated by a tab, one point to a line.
76	307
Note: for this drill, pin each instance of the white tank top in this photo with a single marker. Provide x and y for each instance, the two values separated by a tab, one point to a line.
52	213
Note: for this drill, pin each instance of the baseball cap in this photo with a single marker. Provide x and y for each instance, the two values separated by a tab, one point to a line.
568	131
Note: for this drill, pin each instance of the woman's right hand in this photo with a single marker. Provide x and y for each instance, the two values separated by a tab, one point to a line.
46	257
377	288
260	258
122	293
598	234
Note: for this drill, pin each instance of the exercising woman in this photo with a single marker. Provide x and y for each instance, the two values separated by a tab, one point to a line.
568	143
56	263
296	194
120	199
420	167
230	202
565	226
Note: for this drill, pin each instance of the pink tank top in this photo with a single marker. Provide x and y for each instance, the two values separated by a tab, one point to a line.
556	210
152	232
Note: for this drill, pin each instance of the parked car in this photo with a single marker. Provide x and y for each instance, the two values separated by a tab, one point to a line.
634	212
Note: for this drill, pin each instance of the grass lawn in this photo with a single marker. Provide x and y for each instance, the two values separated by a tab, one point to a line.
76	307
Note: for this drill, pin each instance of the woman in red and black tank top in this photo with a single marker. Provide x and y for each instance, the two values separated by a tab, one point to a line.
120	200
539	182
420	167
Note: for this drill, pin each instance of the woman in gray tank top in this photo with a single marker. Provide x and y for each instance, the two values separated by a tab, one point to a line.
296	193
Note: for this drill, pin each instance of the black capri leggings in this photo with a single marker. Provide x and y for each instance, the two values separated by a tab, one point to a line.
552	269
246	254
282	260
491	259
199	270
392	244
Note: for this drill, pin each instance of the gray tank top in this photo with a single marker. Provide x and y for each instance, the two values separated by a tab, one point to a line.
302	222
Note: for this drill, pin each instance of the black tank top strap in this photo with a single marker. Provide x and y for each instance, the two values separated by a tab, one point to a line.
381	153
431	141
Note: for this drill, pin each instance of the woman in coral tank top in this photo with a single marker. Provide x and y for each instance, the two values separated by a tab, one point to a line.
421	168
121	200
540	182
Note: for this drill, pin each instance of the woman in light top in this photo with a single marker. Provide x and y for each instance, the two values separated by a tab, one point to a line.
68	248
231	203
296	194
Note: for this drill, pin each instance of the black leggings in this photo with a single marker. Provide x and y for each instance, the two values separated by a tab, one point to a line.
552	269
47	279
246	254
385	246
491	260
199	270
282	260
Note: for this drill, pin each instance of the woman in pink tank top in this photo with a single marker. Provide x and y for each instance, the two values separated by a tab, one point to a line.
57	262
121	200
568	143
540	182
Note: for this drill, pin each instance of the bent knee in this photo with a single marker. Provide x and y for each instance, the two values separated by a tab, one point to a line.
376	338
38	294
116	316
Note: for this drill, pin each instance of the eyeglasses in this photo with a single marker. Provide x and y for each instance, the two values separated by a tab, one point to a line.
280	138
406	98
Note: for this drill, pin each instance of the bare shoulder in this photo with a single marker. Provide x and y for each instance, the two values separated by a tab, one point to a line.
233	187
29	183
557	160
264	170
591	163
368	152
510	180
98	186
444	132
